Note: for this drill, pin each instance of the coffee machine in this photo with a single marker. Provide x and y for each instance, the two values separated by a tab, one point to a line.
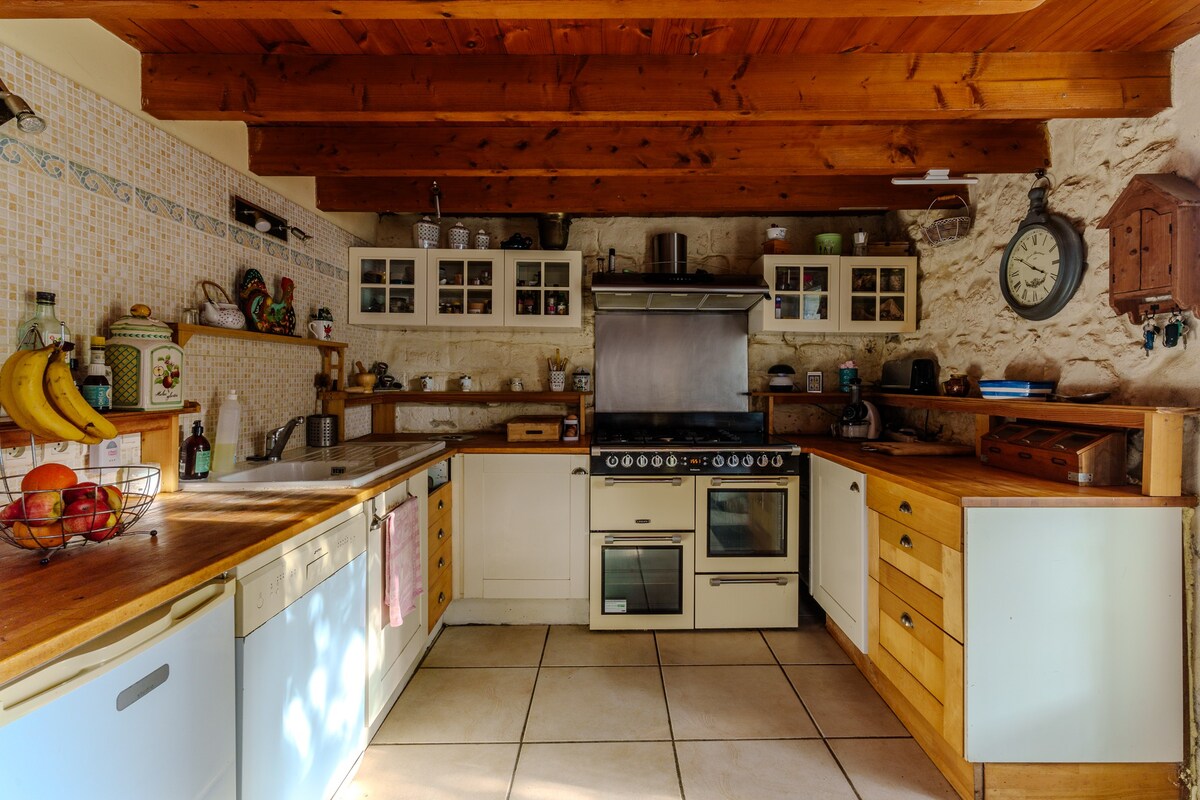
860	418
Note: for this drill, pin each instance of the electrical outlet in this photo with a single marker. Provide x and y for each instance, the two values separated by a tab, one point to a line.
15	462
71	454
131	448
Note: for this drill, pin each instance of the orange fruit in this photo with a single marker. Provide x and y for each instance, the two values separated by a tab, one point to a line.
38	537
48	477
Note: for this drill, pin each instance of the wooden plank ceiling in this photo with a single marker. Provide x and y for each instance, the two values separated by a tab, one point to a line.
633	106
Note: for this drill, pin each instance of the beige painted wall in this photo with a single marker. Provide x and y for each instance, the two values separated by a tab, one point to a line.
96	59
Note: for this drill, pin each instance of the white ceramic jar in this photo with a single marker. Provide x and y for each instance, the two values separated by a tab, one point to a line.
459	237
426	233
147	366
482	240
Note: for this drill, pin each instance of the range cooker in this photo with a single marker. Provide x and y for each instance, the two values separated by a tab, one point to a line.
695	522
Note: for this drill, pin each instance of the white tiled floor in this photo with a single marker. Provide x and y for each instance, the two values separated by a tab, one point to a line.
563	713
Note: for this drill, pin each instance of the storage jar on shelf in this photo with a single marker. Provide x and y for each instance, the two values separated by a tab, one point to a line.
147	366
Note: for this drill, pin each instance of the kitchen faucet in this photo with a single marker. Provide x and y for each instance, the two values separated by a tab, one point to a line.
277	439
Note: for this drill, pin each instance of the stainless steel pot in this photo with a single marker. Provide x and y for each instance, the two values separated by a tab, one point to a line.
668	253
320	430
552	231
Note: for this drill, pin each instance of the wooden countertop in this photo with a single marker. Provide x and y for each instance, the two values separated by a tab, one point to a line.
966	482
488	442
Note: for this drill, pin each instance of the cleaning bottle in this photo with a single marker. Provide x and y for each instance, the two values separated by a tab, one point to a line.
229	424
197	455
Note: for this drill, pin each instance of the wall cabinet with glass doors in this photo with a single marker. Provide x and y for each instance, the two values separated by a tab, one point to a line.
412	288
815	294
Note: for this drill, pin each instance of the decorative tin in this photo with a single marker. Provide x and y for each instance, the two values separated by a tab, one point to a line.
459	236
482	240
147	366
426	233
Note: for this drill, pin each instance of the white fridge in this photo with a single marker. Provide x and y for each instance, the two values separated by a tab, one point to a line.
146	712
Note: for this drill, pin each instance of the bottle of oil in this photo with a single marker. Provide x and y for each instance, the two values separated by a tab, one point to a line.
96	388
197	455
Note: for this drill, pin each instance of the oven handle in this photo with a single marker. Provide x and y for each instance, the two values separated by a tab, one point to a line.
778	581
672	481
776	481
673	538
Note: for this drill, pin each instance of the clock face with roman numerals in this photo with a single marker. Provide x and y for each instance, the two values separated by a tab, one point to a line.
1041	267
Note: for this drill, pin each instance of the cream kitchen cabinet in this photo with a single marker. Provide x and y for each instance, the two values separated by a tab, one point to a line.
439	288
525	526
815	294
838	516
392	653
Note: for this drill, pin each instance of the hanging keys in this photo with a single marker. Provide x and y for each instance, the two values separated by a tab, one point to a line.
1175	331
1149	332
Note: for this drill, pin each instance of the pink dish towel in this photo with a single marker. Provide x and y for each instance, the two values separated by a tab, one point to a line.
402	561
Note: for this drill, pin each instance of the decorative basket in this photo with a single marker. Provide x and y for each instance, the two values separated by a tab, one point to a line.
121	496
948	229
220	315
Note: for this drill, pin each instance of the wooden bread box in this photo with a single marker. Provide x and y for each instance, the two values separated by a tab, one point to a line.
1083	456
534	429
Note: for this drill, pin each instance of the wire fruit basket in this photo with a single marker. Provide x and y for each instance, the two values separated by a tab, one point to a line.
948	229
103	503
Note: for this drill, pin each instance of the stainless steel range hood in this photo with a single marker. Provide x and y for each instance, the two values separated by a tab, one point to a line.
673	291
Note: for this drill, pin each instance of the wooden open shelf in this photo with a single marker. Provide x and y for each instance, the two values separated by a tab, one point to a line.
1162	426
159	430
333	354
383	412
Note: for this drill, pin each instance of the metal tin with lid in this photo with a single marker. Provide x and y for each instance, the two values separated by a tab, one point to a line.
147	365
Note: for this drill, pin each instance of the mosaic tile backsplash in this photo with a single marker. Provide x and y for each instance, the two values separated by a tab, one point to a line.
106	210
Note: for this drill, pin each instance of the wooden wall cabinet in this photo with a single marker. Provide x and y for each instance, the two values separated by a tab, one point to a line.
821	294
1154	247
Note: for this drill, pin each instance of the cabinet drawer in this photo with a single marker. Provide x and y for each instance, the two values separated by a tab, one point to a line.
439	501
440	595
439	563
439	533
945	612
747	601
643	504
935	518
928	562
914	641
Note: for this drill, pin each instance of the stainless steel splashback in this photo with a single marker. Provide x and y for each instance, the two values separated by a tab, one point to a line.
671	362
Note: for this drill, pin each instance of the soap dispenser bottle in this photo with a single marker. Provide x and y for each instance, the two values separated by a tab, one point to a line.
229	423
197	455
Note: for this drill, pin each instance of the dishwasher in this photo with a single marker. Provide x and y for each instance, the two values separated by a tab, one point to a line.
144	711
301	665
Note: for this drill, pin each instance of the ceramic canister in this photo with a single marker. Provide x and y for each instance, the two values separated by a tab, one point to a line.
426	233
147	366
459	237
482	240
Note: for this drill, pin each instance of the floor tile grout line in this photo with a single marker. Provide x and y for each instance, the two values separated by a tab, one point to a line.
512	779
841	767
662	682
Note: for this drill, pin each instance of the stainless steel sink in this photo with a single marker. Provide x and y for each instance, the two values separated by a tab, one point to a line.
342	467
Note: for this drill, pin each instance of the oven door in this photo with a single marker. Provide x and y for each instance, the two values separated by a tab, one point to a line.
747	524
649	503
642	581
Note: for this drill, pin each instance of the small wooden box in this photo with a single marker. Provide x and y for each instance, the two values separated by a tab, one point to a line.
534	429
1083	456
776	247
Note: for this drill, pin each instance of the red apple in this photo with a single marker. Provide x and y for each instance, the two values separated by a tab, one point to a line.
13	512
79	491
116	501
39	536
45	477
92	518
43	507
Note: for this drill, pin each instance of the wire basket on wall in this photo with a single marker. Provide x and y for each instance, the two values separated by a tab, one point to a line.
948	229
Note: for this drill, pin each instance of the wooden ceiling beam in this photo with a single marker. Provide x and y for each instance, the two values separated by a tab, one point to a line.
504	9
686	89
605	196
538	151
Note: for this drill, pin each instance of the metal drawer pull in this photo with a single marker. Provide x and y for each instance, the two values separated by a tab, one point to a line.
776	481
779	581
673	538
905	508
906	620
376	521
906	542
441	534
441	598
441	504
672	481
579	471
441	562
854	486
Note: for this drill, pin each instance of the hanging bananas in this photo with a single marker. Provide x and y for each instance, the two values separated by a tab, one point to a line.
37	392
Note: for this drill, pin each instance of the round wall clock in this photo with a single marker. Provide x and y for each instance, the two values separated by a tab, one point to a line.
1043	264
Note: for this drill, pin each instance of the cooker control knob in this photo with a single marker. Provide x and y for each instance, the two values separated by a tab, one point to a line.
747	460
718	460
627	460
777	461
656	461
611	461
672	461
642	461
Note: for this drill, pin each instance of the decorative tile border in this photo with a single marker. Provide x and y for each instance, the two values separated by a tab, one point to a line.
23	155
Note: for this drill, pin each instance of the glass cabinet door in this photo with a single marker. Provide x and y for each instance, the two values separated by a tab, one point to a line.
386	286
543	289
803	293
465	288
880	295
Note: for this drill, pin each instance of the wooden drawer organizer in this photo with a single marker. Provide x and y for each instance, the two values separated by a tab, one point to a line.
439	577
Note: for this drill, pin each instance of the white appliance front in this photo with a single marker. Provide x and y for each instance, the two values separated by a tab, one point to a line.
747	524
642	581
302	672
146	711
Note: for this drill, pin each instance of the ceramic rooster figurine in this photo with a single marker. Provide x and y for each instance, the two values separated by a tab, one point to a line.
263	313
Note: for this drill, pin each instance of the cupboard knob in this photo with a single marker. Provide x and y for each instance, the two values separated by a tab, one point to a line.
441	504
579	471
906	620
442	599
906	542
441	534
854	486
441	562
905	508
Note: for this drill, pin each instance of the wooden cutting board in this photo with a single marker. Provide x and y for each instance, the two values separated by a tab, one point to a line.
919	448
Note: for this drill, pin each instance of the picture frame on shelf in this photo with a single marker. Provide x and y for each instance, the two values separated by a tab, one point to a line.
814	383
